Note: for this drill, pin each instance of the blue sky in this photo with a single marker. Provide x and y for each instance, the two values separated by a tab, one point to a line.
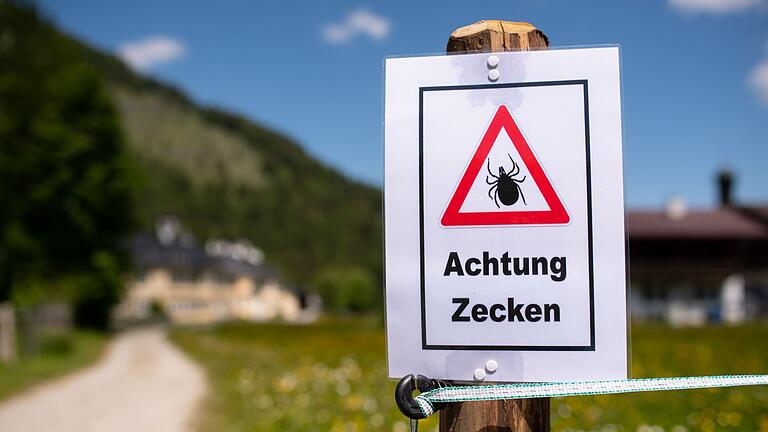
695	72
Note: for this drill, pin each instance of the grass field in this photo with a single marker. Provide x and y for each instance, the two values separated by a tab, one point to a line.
331	376
58	355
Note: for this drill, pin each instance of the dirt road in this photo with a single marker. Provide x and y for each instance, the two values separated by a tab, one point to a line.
143	383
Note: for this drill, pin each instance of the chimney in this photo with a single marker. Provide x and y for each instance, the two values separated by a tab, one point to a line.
725	188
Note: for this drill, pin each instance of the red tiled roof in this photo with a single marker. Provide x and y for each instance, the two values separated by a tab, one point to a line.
720	223
760	213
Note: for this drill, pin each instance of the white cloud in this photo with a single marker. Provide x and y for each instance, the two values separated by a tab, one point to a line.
145	53
358	23
758	80
715	6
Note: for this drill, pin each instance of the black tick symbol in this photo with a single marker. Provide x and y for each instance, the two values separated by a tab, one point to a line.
505	187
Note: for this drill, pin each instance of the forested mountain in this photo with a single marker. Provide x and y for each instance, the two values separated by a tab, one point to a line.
225	176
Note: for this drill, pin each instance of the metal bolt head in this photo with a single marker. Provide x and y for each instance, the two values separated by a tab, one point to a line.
493	61
493	75
479	374
491	366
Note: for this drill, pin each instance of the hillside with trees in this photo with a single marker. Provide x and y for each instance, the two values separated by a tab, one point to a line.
67	188
220	173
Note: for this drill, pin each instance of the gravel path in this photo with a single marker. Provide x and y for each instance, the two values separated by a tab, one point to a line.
143	383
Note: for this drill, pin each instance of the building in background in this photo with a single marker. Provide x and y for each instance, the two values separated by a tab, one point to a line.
687	267
691	267
194	285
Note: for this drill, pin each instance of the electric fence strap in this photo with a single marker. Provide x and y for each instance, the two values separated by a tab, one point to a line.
427	399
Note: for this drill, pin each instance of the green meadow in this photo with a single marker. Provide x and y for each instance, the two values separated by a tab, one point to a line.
332	376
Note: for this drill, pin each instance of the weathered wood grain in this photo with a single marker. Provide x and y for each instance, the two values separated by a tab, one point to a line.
496	35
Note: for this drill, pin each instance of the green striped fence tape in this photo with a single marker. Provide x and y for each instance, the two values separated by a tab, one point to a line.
427	400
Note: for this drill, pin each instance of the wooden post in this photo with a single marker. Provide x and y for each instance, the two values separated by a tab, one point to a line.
7	332
521	415
496	35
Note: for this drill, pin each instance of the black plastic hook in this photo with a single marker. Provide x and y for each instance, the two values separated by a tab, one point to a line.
404	394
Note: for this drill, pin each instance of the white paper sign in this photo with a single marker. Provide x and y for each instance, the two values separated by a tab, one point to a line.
504	216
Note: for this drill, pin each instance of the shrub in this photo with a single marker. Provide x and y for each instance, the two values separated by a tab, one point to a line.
347	289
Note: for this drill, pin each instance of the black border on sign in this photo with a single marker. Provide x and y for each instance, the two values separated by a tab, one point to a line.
424	345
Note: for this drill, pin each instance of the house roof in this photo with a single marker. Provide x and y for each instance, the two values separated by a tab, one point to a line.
719	223
759	213
186	256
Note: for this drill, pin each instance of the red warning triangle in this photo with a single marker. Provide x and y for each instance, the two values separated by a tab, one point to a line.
554	216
